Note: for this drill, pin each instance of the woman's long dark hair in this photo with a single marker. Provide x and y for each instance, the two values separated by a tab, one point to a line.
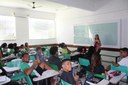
95	61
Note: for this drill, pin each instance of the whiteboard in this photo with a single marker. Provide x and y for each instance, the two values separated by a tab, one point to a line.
109	34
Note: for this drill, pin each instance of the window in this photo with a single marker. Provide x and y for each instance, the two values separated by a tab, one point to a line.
41	28
7	28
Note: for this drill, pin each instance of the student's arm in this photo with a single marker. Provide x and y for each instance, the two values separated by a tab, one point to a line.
45	66
28	71
115	64
76	78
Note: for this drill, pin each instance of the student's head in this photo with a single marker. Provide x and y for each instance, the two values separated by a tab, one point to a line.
96	59
66	65
124	52
81	49
10	46
15	45
4	45
26	44
39	49
91	50
62	45
25	57
21	46
54	50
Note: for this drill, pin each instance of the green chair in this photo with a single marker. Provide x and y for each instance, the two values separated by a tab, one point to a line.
9	64
84	62
16	62
64	82
121	68
55	67
97	75
18	76
67	56
29	81
1	64
27	78
100	76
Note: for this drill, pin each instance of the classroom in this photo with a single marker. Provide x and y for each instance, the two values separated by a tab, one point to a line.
63	28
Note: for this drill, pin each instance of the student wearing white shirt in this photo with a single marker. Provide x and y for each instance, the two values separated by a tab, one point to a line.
123	61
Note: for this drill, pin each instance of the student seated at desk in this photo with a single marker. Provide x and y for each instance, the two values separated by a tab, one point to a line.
39	54
22	49
67	74
37	65
123	61
10	49
64	49
96	66
54	59
91	51
26	46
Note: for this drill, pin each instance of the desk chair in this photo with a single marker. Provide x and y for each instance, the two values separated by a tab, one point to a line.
84	62
27	78
64	82
55	67
122	69
14	63
67	56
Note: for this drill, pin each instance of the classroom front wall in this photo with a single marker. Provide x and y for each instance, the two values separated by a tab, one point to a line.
116	10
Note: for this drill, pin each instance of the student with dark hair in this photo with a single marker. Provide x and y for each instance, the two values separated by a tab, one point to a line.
91	51
4	48
22	49
10	49
80	53
39	54
123	61
96	66
53	59
26	46
16	49
64	49
67	75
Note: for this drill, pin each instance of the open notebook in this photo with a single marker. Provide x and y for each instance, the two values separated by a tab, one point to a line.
45	73
2	78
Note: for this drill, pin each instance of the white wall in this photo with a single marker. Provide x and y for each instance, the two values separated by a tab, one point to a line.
22	28
110	10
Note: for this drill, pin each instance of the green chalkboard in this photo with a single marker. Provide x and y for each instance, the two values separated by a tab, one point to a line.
108	32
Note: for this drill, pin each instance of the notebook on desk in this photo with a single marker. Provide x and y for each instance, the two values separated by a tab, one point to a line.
2	78
95	80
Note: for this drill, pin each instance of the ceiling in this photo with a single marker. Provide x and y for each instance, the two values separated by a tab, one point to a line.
40	5
51	5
